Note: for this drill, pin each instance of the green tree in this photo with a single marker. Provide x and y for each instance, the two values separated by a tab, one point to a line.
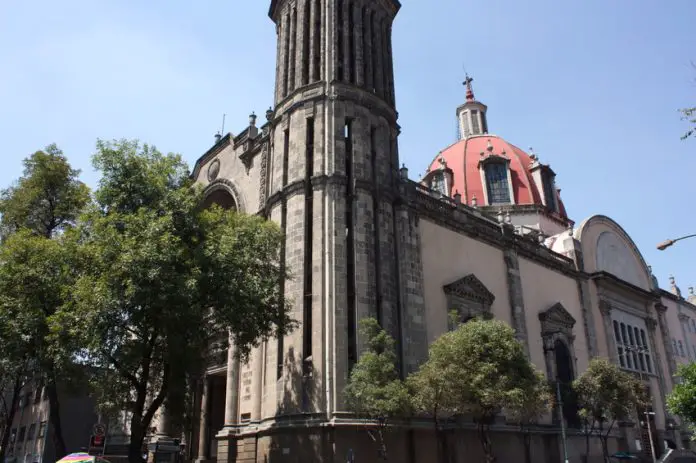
159	278
682	400
46	199
36	212
375	390
530	408
479	369
605	395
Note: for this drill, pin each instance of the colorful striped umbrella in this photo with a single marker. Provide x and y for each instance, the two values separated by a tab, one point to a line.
81	457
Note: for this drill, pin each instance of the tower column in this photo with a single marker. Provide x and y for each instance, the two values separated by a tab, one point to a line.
378	56
357	32
368	78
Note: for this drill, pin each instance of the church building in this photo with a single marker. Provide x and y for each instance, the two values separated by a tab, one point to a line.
485	231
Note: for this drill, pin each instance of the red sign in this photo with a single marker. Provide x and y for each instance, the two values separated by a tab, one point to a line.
97	441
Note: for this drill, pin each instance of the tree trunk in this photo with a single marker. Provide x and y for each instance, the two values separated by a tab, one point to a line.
527	440
485	438
135	446
441	441
16	389
54	413
605	447
382	443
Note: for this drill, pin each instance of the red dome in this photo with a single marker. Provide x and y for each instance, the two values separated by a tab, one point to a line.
462	162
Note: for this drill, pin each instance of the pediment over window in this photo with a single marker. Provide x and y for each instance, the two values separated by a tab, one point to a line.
556	319
471	288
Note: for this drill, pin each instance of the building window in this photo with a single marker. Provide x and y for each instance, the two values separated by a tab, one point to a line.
22	433
438	183
549	191
693	326
632	347
13	436
32	432
42	429
674	347
475	126
497	183
681	349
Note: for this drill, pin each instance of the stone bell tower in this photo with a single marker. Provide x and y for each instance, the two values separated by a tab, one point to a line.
331	185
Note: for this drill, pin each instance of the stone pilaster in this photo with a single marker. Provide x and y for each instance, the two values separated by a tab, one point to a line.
664	332
651	325
605	309
683	320
227	437
413	326
574	251
203	425
516	297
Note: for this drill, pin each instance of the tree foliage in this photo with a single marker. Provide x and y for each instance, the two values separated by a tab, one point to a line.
605	395
35	274
159	278
46	199
478	369
682	400
375	390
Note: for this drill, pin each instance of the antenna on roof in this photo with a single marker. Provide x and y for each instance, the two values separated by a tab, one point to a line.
218	136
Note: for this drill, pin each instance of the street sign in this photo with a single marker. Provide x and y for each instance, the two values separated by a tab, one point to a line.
97	441
99	429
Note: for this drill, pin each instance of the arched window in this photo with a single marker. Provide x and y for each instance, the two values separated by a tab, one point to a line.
497	185
222	198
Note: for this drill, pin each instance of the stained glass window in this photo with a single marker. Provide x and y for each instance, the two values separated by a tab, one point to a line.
497	183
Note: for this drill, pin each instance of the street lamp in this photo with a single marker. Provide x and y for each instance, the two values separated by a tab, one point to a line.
667	243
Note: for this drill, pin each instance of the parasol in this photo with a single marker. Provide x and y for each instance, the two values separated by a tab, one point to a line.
81	457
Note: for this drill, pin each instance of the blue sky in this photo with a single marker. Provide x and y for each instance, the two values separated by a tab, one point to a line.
593	86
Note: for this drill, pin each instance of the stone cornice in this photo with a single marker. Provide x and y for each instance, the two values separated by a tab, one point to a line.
474	223
673	297
609	279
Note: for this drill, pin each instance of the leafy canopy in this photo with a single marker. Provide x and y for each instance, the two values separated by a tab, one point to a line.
479	368
46	199
159	279
375	389
682	400
606	393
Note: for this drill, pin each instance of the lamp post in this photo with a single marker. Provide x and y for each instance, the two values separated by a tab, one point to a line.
667	243
562	420
650	437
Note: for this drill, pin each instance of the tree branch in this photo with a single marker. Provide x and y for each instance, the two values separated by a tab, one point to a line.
129	376
159	399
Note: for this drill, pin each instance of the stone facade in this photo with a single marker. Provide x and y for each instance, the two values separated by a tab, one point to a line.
361	239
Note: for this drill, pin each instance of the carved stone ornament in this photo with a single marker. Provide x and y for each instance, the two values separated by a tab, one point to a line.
470	287
556	319
650	323
213	170
605	307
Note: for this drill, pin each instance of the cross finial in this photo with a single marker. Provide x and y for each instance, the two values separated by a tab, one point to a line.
469	91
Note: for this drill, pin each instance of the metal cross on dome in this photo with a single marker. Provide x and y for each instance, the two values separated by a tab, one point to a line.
469	91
